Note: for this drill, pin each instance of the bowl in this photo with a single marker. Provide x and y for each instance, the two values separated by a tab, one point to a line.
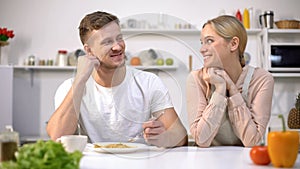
288	24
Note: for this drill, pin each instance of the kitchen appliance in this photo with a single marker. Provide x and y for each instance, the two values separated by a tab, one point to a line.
284	57
266	19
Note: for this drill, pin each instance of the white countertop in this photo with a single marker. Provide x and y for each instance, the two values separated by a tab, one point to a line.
177	158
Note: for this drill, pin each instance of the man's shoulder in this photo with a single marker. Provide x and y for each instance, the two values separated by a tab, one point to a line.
140	73
67	82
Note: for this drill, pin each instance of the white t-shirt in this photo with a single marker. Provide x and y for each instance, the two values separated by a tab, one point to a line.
116	114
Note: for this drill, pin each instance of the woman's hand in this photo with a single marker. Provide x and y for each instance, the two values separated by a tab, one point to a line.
230	86
85	66
213	76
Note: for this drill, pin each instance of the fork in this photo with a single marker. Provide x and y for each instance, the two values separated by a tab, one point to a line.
140	135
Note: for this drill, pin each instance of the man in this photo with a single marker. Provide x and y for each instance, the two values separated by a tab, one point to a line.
110	101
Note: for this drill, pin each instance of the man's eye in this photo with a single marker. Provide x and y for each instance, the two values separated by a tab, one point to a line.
108	42
119	39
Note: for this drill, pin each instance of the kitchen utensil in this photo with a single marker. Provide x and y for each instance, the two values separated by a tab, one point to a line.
73	142
140	135
266	19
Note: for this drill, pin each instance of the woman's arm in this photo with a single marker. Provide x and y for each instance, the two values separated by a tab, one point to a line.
204	118
249	123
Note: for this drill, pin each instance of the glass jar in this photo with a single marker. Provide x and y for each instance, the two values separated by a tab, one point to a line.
61	58
9	142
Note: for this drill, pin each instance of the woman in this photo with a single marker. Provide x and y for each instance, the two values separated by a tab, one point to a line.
228	102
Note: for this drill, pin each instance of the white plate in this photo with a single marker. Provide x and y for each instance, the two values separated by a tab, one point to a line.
135	147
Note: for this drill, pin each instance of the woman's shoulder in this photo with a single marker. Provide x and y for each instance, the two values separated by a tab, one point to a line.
195	75
261	73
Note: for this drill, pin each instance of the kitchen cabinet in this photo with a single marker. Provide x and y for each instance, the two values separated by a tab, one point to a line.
6	100
269	36
287	84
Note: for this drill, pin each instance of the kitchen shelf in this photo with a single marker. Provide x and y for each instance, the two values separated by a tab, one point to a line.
253	31
161	31
45	67
73	68
286	74
283	31
166	67
177	31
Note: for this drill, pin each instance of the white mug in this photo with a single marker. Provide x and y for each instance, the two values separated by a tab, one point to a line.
73	142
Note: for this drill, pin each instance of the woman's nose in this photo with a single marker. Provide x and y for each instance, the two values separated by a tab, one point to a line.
203	49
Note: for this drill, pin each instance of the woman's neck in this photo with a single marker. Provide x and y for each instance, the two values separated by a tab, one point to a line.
234	71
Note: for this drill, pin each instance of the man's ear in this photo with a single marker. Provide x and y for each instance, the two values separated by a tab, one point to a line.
87	49
234	43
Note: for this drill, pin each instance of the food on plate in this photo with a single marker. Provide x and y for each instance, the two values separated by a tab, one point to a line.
283	146
118	145
259	155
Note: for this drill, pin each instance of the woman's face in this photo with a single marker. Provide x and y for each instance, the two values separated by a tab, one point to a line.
108	45
215	49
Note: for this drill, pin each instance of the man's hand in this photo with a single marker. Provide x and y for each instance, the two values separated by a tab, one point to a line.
152	129
85	66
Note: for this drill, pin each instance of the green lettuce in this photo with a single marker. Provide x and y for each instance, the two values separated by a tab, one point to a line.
44	155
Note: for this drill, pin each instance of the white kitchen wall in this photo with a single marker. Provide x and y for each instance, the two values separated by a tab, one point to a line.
44	26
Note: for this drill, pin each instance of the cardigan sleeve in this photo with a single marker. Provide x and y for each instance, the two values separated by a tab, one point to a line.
249	123
204	117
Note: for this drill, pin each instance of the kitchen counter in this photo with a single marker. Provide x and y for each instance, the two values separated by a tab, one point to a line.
189	157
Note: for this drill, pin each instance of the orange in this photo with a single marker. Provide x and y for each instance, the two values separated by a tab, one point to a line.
135	61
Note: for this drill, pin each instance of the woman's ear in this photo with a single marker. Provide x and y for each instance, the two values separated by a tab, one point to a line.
234	43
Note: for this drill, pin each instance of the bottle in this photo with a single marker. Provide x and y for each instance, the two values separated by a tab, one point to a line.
61	58
9	142
246	20
238	15
252	18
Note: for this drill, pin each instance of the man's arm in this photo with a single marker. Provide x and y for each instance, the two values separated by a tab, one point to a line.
166	131
64	120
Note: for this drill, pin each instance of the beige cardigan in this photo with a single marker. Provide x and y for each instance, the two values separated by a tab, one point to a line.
218	120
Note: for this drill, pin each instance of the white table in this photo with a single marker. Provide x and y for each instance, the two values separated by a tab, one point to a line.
177	158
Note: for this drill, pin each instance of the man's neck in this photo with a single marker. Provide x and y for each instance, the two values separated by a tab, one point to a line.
110	77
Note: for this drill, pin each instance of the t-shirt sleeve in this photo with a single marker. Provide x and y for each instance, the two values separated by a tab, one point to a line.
61	92
160	96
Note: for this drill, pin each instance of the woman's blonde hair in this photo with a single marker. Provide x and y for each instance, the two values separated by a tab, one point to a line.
228	27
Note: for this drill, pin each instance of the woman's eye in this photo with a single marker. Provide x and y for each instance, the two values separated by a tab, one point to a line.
209	41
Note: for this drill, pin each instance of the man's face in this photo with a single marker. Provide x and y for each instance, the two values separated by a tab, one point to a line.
107	44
